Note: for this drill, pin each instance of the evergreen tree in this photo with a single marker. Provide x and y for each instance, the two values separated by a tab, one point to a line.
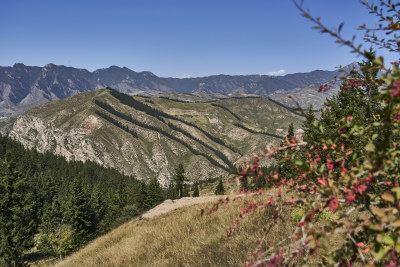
180	180
355	100
369	73
185	191
308	126
290	133
141	195
79	214
220	190
171	192
56	237
196	192
121	193
113	211
99	209
244	184
17	207
259	183
154	194
50	179
284	167
51	216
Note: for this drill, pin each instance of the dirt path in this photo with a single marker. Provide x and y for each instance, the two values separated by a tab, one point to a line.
169	205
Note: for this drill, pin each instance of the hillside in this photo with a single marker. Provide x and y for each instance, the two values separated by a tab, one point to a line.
23	87
181	237
185	237
149	137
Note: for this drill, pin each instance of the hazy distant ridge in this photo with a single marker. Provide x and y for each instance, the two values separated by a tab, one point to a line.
22	87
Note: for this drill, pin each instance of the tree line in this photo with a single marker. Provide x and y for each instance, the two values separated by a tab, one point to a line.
63	204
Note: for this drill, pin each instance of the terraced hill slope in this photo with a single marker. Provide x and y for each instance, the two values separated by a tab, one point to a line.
149	137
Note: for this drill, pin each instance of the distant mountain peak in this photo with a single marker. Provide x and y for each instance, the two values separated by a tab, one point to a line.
18	65
24	86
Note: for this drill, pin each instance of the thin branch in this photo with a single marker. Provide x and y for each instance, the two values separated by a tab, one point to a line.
358	249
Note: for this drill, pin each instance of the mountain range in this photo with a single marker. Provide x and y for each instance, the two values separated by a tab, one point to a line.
23	87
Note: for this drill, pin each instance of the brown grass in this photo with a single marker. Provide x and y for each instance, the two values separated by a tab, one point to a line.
183	237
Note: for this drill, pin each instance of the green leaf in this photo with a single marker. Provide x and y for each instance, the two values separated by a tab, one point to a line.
299	163
378	61
375	227
388	240
379	253
322	168
370	147
397	191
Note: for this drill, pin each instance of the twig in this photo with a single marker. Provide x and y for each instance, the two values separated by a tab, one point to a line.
358	249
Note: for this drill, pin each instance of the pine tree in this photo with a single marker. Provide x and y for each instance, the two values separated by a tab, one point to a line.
185	191
310	131
290	133
113	211
196	190
56	235
171	192
260	182
121	193
79	214
141	195
284	167
99	209
369	73
154	194
17	208
220	190
244	184
180	180
353	100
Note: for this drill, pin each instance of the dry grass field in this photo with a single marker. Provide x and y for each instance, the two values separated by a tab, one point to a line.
184	237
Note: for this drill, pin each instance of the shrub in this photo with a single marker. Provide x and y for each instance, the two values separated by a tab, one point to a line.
347	173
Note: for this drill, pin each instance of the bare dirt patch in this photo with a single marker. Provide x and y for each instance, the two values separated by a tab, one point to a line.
169	205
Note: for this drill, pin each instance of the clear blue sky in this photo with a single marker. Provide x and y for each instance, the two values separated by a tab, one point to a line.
176	38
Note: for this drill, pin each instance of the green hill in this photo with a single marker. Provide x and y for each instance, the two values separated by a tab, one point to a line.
149	137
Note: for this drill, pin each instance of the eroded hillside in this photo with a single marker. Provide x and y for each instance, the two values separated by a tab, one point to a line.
149	137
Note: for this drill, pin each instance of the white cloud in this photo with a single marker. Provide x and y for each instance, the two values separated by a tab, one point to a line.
183	76
276	73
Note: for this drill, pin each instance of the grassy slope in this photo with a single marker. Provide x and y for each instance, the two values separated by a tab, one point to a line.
257	113
184	237
180	238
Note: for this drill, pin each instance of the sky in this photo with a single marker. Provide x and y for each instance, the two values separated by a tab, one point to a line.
178	38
